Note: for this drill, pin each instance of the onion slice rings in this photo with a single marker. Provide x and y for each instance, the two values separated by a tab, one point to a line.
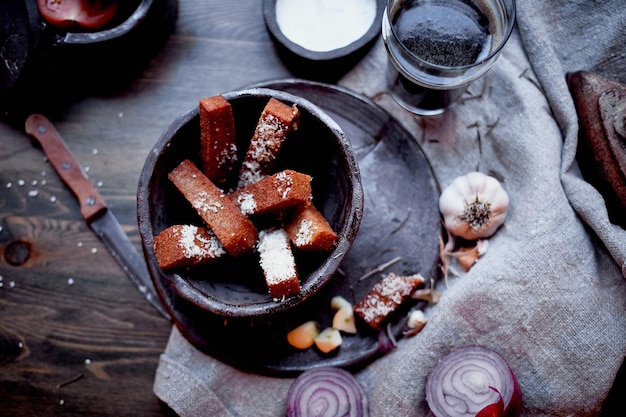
326	392
471	381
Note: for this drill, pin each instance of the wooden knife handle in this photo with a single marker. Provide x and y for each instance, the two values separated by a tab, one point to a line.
70	171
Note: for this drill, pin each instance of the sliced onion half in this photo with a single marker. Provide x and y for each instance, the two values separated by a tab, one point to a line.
326	392
472	381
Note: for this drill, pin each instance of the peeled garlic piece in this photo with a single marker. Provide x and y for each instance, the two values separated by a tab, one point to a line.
415	323
473	206
343	320
303	336
337	302
416	319
328	340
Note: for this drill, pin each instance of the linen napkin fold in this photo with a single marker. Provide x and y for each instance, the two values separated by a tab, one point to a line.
550	292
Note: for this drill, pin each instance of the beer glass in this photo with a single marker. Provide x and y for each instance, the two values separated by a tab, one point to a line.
436	48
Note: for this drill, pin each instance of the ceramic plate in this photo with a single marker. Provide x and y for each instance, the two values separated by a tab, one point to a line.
400	221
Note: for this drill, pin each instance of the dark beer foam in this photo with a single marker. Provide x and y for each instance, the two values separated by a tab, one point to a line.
446	33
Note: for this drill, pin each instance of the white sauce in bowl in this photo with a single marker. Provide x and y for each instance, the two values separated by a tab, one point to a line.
324	25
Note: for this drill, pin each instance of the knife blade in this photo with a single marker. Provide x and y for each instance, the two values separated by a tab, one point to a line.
93	208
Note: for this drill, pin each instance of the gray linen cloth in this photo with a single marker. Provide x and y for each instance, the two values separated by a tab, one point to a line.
549	294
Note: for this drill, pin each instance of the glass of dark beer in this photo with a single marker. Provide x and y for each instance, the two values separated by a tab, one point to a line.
436	48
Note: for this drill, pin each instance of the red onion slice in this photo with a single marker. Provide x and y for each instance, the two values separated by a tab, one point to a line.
386	340
326	392
472	380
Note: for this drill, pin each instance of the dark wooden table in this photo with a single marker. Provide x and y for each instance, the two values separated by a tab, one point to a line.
76	336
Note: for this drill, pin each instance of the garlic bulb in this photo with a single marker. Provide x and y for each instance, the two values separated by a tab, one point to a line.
473	206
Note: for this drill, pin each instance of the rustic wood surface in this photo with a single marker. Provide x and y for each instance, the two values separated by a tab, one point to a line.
76	336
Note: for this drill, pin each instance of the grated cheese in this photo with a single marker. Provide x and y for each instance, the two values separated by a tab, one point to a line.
386	295
203	203
304	236
284	183
247	203
195	245
268	137
276	258
250	173
227	156
269	134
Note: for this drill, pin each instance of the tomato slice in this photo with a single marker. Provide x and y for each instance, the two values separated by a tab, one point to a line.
88	14
96	13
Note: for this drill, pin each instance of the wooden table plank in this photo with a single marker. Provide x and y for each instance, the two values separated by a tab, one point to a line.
76	336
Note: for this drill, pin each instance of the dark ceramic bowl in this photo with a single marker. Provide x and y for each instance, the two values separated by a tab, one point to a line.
129	17
111	55
236	288
315	64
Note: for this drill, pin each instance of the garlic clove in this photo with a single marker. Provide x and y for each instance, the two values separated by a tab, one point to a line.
338	302
328	340
416	319
415	323
303	336
467	258
344	320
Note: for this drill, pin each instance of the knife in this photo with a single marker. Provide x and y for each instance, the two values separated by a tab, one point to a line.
93	208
